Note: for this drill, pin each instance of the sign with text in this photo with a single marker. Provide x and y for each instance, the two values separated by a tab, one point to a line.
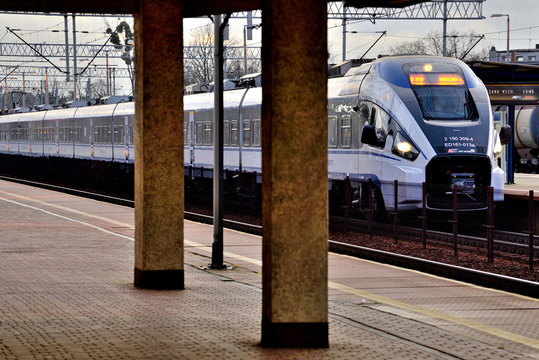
513	94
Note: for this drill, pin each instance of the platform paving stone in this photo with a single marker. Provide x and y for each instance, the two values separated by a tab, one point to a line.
66	292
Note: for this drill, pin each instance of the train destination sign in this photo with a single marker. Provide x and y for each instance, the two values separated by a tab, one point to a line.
513	94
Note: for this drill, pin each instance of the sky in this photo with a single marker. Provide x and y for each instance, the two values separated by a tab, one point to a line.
523	14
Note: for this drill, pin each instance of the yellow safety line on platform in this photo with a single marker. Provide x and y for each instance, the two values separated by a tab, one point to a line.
378	298
396	303
60	207
440	315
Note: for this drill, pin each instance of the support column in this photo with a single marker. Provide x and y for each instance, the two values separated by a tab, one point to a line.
294	167
159	192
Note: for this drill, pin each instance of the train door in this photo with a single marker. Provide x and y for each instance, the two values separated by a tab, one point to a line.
126	137
191	137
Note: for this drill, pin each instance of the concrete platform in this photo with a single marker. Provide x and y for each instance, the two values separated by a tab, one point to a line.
66	292
523	184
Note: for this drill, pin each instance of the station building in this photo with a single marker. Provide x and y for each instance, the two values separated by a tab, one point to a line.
522	56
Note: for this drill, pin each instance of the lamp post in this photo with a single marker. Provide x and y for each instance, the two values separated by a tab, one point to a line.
247	35
501	15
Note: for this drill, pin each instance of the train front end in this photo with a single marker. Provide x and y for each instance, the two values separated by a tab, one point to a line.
451	107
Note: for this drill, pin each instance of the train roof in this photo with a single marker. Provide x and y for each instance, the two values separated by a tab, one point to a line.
231	98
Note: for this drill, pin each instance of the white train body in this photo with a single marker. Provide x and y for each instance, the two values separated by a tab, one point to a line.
386	122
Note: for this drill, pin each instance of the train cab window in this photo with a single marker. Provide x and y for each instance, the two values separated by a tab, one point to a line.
246	133
208	139
376	123
234	133
200	134
441	91
332	131
226	133
256	132
380	121
346	131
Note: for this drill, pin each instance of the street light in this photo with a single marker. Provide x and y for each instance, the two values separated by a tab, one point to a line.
247	35
501	15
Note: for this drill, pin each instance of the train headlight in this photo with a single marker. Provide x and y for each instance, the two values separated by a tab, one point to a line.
403	147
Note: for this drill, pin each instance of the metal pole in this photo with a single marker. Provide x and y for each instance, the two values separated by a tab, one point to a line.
343	35
455	220
424	217
531	228
244	50
107	71
74	60
508	59
67	48
217	246
444	48
240	159
510	171
347	202
371	202
23	91
396	213
490	224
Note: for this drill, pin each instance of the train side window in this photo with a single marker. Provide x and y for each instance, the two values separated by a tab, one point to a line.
246	132
226	133
199	134
118	134
234	133
256	132
96	134
346	131
207	133
332	131
131	135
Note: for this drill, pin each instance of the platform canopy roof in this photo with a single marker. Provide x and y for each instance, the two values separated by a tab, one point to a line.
509	73
192	8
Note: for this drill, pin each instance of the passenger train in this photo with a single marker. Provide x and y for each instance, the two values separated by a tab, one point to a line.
413	119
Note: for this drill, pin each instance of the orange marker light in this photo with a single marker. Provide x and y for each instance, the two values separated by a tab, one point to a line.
417	79
450	79
436	79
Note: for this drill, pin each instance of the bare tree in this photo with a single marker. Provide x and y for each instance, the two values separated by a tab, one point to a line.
457	45
99	88
198	58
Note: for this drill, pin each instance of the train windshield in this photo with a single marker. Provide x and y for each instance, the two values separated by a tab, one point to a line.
441	91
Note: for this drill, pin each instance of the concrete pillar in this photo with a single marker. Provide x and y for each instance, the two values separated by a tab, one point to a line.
159	145
294	167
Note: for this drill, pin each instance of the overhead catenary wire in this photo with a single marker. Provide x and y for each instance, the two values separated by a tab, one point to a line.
34	49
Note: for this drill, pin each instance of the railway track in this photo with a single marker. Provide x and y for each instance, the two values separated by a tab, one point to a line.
504	241
511	242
